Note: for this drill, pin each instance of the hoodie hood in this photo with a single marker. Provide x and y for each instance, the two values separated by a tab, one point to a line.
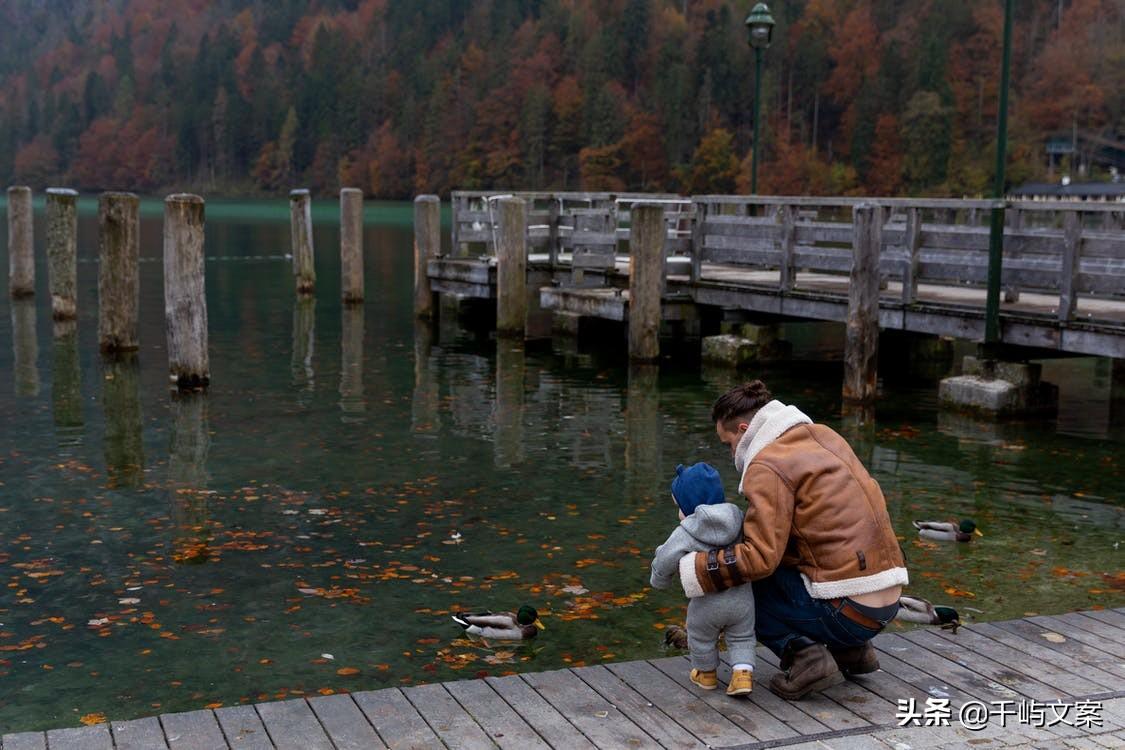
715	525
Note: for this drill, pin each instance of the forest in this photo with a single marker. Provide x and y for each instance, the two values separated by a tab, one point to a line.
400	97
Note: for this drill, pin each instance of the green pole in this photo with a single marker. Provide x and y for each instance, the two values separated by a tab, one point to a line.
996	231
757	116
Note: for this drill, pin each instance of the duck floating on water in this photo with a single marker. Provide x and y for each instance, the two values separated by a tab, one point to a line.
916	609
521	625
947	531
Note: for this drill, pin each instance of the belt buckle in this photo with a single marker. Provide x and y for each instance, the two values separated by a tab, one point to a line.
712	560
728	555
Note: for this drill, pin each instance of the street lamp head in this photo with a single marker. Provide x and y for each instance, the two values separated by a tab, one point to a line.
759	25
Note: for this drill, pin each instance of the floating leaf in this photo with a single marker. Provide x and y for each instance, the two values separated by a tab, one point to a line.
1054	637
93	718
347	671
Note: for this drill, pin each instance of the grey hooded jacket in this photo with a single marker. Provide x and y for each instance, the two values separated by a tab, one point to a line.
710	526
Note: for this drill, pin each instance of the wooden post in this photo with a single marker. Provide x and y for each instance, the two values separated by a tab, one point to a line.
912	244
185	300
425	406
427	245
119	279
300	227
21	253
1071	257
25	348
554	210
698	220
62	252
352	401
511	268
861	345
121	404
646	280
189	444
351	245
455	204
787	217
508	436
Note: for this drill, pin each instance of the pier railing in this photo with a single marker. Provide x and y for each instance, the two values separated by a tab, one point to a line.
1059	248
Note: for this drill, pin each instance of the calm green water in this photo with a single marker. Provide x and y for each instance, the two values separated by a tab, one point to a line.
350	480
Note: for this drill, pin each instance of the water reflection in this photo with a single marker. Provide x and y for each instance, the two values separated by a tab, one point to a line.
66	386
352	401
508	436
425	402
189	446
121	404
304	337
643	427
25	348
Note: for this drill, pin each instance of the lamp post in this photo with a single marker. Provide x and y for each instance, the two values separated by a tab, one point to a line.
996	229
759	27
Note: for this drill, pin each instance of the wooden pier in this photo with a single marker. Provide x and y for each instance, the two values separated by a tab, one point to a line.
789	258
1069	659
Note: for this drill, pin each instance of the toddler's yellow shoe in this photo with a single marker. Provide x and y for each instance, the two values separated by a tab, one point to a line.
741	682
705	680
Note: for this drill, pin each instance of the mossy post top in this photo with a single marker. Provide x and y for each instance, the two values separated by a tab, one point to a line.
299	193
64	194
183	198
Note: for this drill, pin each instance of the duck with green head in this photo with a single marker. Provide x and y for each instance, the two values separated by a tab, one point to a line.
947	531
916	609
521	625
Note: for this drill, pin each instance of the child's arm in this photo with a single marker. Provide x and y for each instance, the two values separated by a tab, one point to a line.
666	562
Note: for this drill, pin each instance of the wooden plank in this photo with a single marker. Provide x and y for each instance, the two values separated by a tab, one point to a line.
689	707
24	741
192	730
1019	661
538	713
502	724
1041	649
854	697
934	666
345	724
986	668
1072	252
395	719
1108	616
892	660
665	728
1083	635
243	728
596	717
140	734
293	726
762	714
1110	633
94	737
456	728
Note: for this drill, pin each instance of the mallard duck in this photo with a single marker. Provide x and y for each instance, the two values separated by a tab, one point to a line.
517	626
947	531
675	637
915	609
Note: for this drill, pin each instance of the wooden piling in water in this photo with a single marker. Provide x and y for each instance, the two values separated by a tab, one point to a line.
185	301
300	223
119	279
511	268
861	343
351	245
62	252
646	280
352	401
25	348
21	252
124	427
427	244
66	385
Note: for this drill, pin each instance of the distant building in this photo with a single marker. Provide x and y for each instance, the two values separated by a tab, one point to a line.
1113	192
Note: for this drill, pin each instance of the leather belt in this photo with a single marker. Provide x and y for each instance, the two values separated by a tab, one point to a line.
853	614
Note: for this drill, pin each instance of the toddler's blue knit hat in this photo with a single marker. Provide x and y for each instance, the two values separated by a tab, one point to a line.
696	485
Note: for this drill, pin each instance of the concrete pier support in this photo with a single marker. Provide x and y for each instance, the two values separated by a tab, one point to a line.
742	345
994	388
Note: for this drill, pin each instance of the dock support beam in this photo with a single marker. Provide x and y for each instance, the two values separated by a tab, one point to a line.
62	252
119	278
427	244
511	268
861	345
300	224
21	253
185	300
646	280
351	245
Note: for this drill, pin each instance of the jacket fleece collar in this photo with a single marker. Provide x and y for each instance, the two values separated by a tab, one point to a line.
771	421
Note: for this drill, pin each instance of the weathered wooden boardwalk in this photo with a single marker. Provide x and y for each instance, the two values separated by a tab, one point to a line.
1071	659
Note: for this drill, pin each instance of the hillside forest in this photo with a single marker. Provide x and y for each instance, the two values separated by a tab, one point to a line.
399	97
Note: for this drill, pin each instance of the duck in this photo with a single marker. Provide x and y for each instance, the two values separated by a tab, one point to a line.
947	531
917	609
521	625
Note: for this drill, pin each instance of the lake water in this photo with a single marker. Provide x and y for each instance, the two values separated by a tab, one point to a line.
352	478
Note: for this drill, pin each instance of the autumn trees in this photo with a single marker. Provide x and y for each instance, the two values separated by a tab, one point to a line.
859	96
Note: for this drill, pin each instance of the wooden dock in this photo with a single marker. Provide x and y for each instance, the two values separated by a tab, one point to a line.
1072	659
